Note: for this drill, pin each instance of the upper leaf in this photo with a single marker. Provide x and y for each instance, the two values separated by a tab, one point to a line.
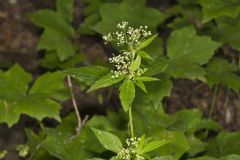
220	71
187	51
216	8
136	15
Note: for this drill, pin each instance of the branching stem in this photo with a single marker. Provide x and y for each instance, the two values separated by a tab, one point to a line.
79	125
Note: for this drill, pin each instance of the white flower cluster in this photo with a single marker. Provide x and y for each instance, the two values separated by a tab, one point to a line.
122	66
130	152
3	154
23	150
128	35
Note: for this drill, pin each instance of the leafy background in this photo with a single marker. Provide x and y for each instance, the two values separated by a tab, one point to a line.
199	40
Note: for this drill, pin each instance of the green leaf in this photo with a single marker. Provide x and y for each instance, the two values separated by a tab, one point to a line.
220	71
108	140
152	146
224	144
147	79
89	74
136	15
146	42
204	158
53	21
127	94
52	40
136	64
105	81
50	85
231	157
216	8
66	9
51	61
227	31
188	53
141	85
156	67
145	55
17	98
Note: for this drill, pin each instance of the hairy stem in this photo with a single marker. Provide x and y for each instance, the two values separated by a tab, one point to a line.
131	122
79	125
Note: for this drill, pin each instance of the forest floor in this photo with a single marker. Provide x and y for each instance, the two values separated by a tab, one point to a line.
18	41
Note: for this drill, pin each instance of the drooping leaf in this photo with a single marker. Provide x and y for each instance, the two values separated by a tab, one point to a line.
216	8
108	140
127	94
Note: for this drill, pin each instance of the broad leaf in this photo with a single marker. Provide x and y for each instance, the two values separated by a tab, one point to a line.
147	42
187	50
108	140
220	71
216	8
136	15
17	98
127	94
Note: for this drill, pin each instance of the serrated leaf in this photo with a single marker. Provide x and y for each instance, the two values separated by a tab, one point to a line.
136	64
216	8
89	74
220	71
105	81
187	51
136	15
51	61
146	42
152	146
66	9
50	85
108	140
53	21
127	94
52	40
224	144
16	98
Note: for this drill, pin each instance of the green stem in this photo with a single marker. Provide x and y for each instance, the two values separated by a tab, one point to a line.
213	101
131	122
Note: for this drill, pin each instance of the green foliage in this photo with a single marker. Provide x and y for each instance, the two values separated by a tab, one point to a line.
220	71
136	15
108	140
216	8
187	52
127	94
38	101
57	30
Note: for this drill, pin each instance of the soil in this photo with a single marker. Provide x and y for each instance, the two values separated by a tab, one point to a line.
18	41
